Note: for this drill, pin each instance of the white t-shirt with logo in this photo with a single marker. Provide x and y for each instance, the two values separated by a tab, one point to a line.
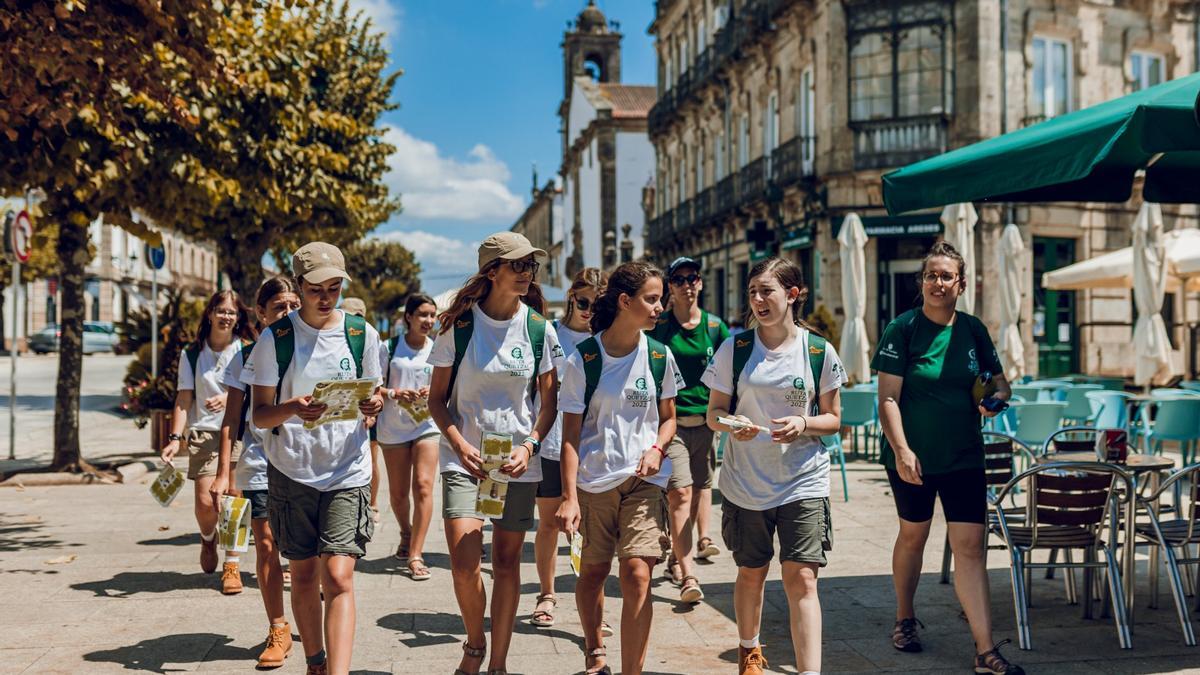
492	392
570	339
408	370
335	455
761	474
621	421
211	366
250	473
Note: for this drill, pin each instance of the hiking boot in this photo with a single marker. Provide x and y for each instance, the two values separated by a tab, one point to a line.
231	579
208	554
751	661
279	645
992	663
904	635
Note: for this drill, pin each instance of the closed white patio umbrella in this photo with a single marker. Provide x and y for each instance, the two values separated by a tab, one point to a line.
1008	257
1115	269
1151	346
959	220
854	348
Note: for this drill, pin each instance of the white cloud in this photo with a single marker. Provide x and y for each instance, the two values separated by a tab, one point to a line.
386	16
434	187
440	256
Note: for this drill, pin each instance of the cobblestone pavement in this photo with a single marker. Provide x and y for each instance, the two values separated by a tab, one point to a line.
101	579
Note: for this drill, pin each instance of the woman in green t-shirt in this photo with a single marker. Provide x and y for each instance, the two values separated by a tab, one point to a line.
928	360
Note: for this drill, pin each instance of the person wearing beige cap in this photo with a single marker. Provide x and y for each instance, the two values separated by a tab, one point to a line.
354	306
494	364
318	480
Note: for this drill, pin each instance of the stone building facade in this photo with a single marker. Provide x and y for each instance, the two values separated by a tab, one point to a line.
541	223
776	118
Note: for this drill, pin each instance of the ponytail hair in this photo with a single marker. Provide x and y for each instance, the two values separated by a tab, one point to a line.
477	289
589	277
627	279
789	275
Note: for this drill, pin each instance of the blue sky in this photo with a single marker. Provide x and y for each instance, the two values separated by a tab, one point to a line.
478	106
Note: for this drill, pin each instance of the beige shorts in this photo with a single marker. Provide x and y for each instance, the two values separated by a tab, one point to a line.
693	458
628	521
204	452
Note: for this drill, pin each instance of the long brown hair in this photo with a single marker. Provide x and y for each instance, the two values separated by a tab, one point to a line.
789	275
477	289
589	277
244	328
628	279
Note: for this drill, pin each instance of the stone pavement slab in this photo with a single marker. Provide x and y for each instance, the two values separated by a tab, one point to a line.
100	579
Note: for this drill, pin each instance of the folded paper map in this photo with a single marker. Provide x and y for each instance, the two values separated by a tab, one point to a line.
342	398
234	526
493	490
167	485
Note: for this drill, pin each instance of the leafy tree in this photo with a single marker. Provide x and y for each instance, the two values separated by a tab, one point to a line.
384	273
289	149
76	75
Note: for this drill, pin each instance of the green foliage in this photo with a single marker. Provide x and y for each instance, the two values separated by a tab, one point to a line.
384	274
822	319
136	327
144	393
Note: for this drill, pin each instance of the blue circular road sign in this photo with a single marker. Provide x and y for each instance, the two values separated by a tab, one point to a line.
157	256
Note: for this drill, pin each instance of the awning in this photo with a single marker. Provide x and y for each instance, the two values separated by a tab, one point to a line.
1115	269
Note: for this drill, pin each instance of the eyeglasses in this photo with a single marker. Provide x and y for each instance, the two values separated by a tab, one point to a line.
946	278
582	304
523	266
227	313
680	279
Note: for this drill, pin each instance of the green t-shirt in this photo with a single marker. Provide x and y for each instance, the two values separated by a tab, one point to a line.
693	349
939	365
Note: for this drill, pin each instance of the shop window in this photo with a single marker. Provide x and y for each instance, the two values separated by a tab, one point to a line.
901	61
1148	70
1051	77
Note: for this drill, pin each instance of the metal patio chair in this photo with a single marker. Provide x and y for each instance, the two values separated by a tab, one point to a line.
1172	539
1068	505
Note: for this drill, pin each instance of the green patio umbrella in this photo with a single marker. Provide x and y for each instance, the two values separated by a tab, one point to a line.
1087	155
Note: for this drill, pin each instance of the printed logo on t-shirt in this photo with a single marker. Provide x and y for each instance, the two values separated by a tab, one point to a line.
889	351
972	362
797	396
515	366
679	383
638	397
557	352
345	365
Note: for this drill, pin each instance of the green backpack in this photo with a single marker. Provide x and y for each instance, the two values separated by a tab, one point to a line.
593	365
464	328
285	346
246	349
743	345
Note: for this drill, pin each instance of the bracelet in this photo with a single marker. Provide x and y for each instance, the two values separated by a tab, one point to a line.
534	445
805	429
655	447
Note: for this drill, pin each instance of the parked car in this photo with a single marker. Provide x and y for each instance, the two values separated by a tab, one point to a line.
98	336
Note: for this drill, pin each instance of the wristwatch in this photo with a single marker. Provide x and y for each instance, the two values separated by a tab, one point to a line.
533	443
174	437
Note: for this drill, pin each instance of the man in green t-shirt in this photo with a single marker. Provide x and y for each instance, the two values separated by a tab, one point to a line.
693	336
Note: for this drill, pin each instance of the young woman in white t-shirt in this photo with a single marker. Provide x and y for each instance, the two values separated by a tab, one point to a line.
777	481
614	466
199	406
410	444
575	327
276	298
319	479
492	392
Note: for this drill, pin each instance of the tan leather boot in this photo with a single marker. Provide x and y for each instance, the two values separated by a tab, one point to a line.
231	579
751	661
279	645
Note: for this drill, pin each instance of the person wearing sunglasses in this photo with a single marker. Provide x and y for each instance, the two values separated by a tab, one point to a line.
494	373
693	336
928	360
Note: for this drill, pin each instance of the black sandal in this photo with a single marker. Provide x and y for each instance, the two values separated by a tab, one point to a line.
597	653
474	653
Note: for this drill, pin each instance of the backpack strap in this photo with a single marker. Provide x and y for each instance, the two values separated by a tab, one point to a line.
356	338
392	343
285	346
193	356
743	345
246	349
656	354
593	364
535	326
464	327
816	361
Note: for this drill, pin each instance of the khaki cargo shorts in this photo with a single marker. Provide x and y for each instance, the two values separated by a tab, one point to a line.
204	451
628	521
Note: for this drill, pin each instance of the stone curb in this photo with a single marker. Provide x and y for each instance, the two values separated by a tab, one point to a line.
128	473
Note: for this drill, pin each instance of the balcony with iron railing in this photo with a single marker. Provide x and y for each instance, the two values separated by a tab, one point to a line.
683	216
895	142
794	160
702	207
727	195
752	180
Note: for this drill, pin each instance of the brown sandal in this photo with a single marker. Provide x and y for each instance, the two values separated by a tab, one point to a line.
597	653
543	618
673	572
418	570
689	590
474	653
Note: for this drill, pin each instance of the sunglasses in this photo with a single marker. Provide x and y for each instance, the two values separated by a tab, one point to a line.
523	266
680	279
582	304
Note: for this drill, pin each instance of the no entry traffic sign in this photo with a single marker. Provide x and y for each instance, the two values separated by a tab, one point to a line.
20	237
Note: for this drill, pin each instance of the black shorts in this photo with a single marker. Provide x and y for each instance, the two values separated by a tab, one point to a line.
963	494
258	503
551	485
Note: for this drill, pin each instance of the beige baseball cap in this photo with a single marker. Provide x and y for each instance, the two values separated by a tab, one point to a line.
507	246
319	262
354	306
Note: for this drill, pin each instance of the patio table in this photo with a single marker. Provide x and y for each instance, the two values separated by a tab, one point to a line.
1138	464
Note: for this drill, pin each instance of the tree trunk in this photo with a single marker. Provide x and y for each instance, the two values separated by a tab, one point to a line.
73	256
242	261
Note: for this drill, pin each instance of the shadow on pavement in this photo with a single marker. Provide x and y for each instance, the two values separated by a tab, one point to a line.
127	584
23	532
154	654
389	564
105	403
188	539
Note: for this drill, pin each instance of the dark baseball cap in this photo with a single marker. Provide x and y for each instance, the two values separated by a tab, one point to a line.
682	261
